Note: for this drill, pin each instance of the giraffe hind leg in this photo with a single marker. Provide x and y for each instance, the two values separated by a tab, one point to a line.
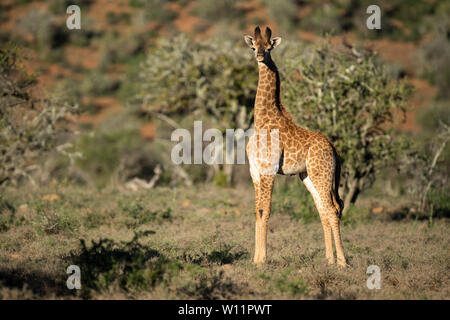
323	213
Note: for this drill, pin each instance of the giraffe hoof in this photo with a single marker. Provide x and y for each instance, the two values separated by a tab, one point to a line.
258	261
342	264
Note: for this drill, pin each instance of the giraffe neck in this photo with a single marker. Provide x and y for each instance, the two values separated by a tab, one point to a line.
268	93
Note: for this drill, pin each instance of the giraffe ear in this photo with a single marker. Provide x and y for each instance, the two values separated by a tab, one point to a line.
248	40
275	42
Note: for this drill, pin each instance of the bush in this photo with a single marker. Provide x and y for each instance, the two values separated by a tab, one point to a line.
142	215
286	282
431	167
102	152
7	214
439	202
98	84
120	49
28	128
210	79
129	265
54	218
294	200
66	91
355	216
350	98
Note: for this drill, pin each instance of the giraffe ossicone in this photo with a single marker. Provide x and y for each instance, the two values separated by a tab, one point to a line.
293	151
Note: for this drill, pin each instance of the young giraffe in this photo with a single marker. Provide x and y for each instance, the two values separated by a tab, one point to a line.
294	150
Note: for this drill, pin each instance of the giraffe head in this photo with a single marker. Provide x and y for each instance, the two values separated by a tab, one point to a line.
262	45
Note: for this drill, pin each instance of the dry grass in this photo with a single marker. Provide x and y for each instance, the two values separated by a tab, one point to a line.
200	247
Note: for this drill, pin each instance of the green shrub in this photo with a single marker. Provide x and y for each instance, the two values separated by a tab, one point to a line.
7	214
354	216
129	265
285	282
128	90
294	200
439	201
54	218
142	215
351	99
210	285
6	205
430	171
98	84
211	78
102	151
220	179
94	220
120	49
431	117
28	129
67	90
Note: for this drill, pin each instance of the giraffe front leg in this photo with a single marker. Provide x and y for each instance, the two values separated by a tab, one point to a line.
262	208
256	257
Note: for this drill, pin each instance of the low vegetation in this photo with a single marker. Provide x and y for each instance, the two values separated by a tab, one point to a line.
202	247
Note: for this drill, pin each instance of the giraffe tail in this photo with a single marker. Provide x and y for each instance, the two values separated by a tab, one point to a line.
337	202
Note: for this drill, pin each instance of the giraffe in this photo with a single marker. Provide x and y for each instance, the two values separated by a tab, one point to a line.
292	151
